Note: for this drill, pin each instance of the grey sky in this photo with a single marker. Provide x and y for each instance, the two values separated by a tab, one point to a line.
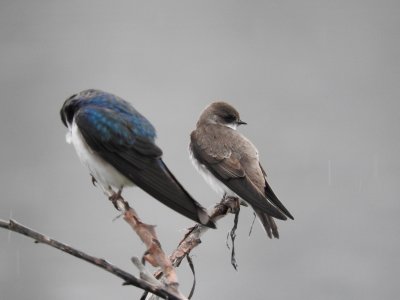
318	84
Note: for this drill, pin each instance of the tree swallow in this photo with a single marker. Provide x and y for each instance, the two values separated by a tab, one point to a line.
117	144
229	162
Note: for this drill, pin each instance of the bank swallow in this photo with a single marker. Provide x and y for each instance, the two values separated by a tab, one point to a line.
229	162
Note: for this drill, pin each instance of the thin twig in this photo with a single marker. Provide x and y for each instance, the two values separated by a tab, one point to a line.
101	263
232	234
192	237
191	265
252	223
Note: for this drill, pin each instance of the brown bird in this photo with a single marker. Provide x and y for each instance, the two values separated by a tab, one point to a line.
229	162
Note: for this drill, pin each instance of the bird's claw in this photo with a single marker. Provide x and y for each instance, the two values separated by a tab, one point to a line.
115	198
94	181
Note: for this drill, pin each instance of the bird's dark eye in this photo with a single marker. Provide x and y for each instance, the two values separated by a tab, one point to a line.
229	118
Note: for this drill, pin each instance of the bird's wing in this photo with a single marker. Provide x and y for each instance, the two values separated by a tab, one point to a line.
218	153
116	138
272	197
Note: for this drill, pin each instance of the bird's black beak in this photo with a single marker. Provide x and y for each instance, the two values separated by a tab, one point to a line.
240	122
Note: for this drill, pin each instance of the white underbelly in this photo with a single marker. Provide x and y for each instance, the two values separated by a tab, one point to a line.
215	184
104	173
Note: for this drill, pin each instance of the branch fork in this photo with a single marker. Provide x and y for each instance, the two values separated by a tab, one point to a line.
164	283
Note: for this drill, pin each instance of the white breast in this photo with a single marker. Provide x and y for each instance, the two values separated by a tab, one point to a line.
105	174
215	184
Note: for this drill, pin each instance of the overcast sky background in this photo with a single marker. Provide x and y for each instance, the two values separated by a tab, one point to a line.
318	84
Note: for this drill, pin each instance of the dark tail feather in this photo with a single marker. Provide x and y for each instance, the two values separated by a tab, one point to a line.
268	223
269	193
159	182
202	215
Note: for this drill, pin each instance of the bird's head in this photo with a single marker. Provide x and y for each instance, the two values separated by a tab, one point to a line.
221	113
68	110
73	103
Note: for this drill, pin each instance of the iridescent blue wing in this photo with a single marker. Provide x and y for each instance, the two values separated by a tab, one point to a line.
105	129
126	141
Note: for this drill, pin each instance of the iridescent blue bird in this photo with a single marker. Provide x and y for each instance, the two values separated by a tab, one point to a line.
117	144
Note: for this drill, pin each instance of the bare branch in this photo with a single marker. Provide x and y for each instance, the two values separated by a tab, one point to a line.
154	253
101	263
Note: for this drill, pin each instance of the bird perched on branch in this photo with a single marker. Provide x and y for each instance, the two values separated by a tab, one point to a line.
117	144
229	162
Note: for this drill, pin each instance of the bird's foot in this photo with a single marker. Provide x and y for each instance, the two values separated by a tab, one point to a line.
94	181
116	198
232	203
